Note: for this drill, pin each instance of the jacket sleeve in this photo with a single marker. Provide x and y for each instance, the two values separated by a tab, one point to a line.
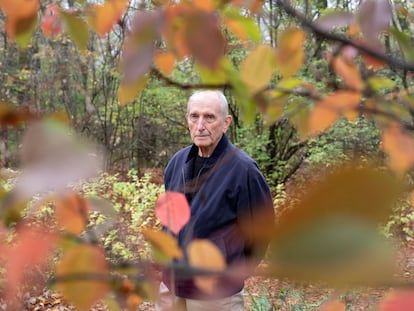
256	213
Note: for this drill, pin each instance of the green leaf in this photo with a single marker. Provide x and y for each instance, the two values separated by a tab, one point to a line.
77	28
404	41
214	76
380	83
245	102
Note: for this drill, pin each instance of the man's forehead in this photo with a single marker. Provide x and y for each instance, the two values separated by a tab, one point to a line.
205	104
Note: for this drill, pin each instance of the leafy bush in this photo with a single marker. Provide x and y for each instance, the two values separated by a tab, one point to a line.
133	199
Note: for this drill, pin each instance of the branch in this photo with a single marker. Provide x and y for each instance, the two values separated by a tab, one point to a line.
187	86
334	37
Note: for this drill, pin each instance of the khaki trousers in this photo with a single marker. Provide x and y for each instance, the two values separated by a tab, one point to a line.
167	302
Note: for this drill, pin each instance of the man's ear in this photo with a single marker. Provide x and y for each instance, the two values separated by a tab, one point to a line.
227	122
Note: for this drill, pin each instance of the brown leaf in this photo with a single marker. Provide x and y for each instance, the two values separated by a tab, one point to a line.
204	38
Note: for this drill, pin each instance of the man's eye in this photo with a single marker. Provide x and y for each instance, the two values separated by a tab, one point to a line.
194	117
210	118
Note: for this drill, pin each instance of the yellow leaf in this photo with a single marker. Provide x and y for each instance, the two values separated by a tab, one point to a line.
349	73
127	93
82	276
107	14
205	255
165	61
72	212
290	52
257	69
399	145
164	242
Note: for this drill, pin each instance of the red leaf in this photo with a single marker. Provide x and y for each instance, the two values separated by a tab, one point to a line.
32	247
172	210
398	301
51	24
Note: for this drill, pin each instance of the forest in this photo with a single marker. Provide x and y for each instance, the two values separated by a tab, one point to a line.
93	98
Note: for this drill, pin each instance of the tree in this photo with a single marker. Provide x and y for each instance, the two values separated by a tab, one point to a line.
354	46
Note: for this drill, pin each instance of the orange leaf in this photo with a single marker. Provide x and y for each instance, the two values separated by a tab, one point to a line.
19	8
412	199
236	27
331	107
321	118
174	28
205	5
165	62
204	254
107	14
21	16
348	72
290	53
172	210
333	306
82	276
72	212
399	145
164	242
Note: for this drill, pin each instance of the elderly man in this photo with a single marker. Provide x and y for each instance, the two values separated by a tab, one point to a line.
224	188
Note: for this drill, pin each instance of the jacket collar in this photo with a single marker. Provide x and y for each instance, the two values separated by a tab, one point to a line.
220	148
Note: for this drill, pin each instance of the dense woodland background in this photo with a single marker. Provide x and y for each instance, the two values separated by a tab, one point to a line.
53	75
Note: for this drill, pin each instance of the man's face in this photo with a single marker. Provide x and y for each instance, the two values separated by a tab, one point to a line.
206	122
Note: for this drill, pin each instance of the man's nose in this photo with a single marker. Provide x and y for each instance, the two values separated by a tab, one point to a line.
201	123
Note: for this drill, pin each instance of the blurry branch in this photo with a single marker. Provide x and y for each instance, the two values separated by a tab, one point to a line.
185	86
341	39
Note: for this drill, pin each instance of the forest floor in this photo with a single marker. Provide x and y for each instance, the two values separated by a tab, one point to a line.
263	294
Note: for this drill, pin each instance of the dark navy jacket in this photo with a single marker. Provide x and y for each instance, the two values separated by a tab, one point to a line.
229	187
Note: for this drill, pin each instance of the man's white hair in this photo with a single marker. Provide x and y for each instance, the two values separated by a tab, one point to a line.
203	93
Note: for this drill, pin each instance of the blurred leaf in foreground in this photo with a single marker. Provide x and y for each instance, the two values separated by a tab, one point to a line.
332	233
53	157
